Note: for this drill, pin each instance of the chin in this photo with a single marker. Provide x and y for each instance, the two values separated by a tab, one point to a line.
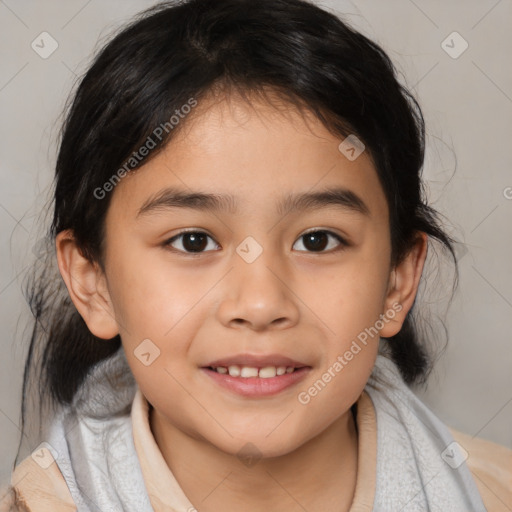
251	448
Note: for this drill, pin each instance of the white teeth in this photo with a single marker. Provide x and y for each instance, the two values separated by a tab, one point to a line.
248	371
267	372
234	370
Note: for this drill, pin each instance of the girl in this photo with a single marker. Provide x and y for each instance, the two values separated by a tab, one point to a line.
240	230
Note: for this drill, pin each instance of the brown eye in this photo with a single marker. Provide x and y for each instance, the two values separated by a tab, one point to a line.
317	241
191	241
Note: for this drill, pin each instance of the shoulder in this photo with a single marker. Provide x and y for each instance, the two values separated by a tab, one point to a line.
491	467
36	488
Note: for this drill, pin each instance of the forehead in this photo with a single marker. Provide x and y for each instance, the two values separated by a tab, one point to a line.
255	152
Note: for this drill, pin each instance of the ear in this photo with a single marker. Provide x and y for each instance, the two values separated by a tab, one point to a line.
87	287
403	285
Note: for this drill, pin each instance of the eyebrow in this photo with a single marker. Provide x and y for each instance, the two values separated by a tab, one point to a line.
172	197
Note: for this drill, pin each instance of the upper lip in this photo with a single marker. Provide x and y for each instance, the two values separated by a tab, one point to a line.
253	360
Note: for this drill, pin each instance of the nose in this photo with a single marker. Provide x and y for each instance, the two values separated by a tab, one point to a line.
259	295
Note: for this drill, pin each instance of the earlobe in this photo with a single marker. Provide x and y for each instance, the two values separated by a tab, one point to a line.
86	287
403	286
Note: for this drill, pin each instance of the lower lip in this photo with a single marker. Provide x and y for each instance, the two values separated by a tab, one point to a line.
256	386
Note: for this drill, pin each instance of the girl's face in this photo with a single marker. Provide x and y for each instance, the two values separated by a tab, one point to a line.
247	281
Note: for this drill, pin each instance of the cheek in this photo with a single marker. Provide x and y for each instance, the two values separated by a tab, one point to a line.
349	301
152	296
159	310
351	297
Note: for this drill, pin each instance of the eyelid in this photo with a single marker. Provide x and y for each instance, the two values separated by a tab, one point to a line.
328	231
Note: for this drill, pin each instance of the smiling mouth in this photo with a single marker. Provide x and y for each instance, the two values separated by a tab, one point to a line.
265	372
254	381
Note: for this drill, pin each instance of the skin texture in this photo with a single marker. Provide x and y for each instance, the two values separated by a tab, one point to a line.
293	300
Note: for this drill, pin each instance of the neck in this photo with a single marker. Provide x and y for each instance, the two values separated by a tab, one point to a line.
319	475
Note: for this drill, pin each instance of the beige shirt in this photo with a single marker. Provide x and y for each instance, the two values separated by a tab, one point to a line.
46	490
163	488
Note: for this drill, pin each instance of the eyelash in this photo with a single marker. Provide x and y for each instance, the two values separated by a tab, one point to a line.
343	242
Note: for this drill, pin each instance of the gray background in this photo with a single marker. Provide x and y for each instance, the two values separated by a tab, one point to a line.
468	109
